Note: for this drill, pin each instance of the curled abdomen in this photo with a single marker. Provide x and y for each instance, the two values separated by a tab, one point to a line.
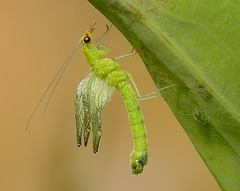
139	153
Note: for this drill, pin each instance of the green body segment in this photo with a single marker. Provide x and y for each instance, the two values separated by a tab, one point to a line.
95	91
139	154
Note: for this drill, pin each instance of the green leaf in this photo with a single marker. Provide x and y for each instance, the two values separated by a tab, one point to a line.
196	44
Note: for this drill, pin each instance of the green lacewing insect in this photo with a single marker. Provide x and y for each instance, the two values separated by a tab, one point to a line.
94	92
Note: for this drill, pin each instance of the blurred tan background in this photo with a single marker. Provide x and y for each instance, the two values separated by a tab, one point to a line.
36	37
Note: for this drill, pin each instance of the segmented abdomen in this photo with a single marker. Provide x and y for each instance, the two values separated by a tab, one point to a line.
139	154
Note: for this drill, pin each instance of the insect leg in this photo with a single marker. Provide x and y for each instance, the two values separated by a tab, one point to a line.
102	49
148	95
126	55
134	85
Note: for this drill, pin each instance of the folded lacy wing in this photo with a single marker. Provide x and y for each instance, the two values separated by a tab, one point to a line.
93	93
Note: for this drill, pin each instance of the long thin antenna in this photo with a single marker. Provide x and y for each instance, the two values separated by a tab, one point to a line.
62	67
72	53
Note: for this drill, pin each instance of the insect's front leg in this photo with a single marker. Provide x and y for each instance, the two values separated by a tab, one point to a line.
102	49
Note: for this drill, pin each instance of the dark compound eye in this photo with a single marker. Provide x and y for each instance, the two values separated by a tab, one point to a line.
87	39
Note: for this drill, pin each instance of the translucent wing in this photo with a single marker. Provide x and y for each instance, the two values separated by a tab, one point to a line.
93	93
